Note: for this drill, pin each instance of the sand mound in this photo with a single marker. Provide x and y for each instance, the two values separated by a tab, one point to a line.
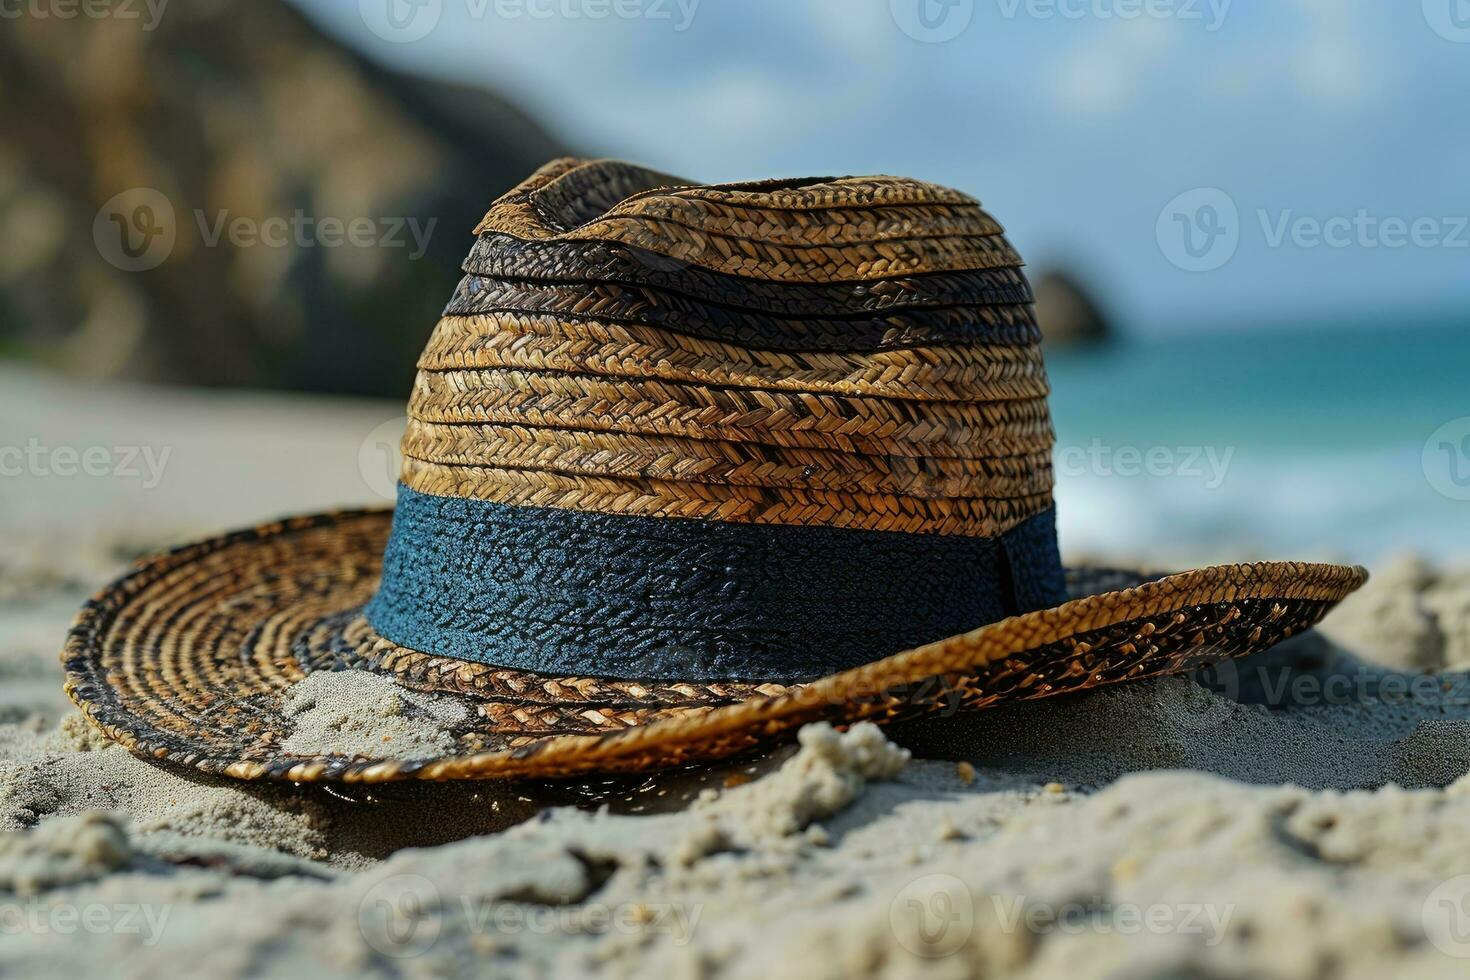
62	852
1409	616
354	712
1160	874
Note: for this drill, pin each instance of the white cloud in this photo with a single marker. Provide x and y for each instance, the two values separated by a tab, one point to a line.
1332	70
1093	83
1112	67
857	30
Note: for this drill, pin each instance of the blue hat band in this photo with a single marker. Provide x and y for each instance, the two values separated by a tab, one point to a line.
566	592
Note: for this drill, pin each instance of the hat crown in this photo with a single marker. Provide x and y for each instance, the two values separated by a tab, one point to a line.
855	352
804	359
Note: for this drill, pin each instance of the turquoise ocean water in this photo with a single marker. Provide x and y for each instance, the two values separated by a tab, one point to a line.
1320	445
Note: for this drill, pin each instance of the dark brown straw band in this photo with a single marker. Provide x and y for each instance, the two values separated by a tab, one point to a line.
958	325
503	257
543	342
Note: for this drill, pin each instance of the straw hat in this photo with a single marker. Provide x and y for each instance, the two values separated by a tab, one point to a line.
687	467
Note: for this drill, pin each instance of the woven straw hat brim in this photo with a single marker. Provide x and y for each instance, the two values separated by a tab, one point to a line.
188	660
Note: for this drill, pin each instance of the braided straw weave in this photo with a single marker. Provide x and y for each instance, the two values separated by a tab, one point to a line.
845	352
855	352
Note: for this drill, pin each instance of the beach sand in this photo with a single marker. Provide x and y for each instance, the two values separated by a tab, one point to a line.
1299	814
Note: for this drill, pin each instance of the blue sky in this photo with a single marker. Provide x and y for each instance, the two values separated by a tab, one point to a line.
1074	122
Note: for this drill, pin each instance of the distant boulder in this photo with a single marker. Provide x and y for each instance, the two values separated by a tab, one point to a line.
1068	313
236	198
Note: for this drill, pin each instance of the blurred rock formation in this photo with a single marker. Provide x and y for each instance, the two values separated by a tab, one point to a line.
1068	313
291	214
